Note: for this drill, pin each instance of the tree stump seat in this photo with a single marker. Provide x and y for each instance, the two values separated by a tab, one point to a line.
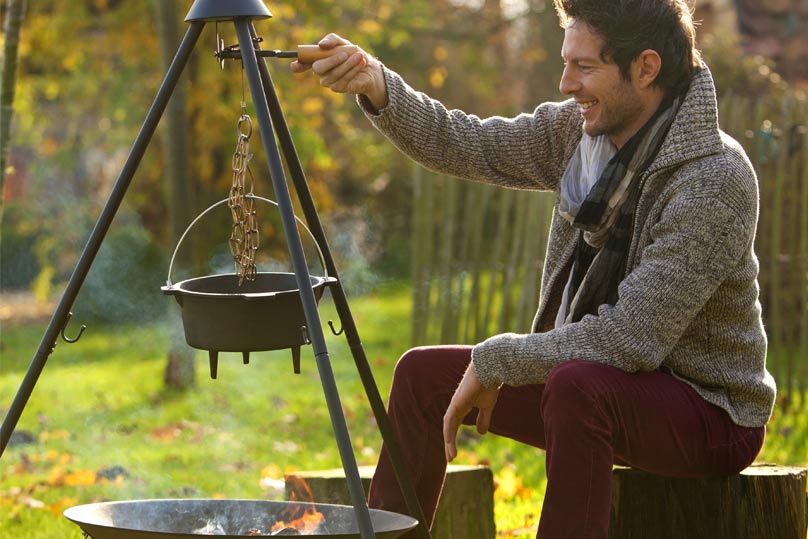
761	502
465	511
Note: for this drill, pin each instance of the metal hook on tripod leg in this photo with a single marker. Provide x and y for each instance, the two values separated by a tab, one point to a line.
334	331
77	337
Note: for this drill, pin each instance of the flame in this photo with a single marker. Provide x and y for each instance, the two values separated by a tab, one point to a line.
306	524
303	517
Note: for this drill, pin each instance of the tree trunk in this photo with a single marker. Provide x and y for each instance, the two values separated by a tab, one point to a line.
501	239
509	280
179	372
803	242
464	224
531	265
15	12
476	262
446	300
421	271
776	180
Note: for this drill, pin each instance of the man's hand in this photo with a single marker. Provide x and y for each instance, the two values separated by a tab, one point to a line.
357	73
469	394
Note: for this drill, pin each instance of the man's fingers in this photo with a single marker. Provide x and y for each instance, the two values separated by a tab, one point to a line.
299	67
450	426
350	76
331	67
339	75
484	419
332	40
337	66
451	451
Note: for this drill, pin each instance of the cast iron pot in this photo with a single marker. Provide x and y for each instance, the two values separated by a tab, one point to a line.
264	314
189	518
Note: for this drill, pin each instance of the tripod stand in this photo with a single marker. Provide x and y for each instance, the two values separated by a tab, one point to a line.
271	122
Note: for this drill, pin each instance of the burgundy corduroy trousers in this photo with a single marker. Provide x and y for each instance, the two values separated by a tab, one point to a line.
587	416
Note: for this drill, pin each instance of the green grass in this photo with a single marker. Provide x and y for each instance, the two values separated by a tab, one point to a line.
100	404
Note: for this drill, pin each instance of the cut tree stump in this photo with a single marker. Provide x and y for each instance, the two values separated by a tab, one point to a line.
762	502
465	511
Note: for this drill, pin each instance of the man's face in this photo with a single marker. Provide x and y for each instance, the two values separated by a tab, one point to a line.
609	104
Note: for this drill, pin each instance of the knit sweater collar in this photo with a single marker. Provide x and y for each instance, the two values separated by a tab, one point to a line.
694	132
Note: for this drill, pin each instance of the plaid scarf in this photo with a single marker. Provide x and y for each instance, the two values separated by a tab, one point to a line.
606	217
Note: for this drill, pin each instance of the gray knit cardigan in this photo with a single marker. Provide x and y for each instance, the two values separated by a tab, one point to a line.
688	303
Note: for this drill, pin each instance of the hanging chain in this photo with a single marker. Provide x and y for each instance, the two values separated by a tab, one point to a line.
244	234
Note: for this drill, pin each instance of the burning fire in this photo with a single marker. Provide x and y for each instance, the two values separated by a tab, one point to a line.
302	517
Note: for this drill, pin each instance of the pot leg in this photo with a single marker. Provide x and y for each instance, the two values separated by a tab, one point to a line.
296	359
213	356
245	356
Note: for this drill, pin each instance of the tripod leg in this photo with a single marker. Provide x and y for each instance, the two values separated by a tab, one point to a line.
341	301
60	316
257	90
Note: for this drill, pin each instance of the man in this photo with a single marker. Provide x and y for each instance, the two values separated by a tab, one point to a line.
648	348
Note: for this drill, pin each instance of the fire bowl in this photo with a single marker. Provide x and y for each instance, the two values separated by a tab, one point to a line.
189	518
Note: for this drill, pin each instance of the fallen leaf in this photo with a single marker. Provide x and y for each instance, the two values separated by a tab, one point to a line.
80	478
59	507
238	466
166	433
56	477
27	501
509	485
54	435
271	471
26	465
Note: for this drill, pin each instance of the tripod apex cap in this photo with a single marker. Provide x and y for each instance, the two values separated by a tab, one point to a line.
225	10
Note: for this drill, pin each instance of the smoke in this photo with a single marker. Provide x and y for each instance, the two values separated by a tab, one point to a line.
354	247
123	282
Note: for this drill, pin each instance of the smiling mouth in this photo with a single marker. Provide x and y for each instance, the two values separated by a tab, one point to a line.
586	105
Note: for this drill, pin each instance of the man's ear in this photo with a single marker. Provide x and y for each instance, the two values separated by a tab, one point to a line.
646	67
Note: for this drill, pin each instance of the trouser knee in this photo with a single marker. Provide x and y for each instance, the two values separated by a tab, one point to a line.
429	375
572	389
411	374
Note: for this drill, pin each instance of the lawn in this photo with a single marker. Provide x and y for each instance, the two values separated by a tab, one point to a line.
100	426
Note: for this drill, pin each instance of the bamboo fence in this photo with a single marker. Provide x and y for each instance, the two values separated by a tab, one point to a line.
478	250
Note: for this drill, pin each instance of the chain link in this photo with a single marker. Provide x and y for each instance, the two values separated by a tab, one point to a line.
244	234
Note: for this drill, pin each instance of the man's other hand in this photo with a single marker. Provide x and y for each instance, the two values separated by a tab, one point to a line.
469	394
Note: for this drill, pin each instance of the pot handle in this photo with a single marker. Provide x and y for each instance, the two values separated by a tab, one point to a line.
214	205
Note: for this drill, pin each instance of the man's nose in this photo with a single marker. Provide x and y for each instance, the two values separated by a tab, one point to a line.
568	83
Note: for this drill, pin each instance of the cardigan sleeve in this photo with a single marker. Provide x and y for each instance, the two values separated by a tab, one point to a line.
525	152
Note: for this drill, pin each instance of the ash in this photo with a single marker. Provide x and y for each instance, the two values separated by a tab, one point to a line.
215	528
211	528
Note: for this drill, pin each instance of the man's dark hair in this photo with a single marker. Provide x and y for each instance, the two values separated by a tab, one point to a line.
629	27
